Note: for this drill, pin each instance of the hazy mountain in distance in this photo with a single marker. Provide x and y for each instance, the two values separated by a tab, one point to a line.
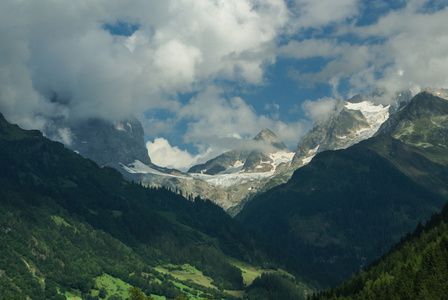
229	178
110	143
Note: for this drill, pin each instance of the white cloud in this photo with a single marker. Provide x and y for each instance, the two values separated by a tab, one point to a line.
404	49
318	13
60	48
320	109
211	115
414	55
163	154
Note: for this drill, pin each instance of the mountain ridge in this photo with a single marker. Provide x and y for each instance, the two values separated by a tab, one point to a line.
235	176
356	119
346	207
249	157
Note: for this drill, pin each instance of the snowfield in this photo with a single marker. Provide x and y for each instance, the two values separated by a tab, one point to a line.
375	115
236	176
230	177
137	167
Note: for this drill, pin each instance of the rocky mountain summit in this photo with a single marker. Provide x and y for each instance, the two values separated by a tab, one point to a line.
423	123
110	143
253	157
354	120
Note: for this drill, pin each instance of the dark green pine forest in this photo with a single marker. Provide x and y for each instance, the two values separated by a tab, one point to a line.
66	225
415	268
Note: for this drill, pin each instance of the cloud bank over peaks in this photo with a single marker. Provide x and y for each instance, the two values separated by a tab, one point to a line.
321	108
62	61
210	115
162	153
64	48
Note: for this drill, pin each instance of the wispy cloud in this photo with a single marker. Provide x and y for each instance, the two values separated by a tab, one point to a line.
321	108
404	49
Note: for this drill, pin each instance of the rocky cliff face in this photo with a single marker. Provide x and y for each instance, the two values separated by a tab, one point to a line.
358	119
110	143
422	123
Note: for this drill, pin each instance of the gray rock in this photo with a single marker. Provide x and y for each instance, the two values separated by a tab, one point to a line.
110	143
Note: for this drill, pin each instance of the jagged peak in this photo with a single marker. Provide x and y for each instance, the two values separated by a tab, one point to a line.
268	136
265	135
441	93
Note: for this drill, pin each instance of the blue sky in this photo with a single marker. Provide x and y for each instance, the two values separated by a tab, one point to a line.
205	75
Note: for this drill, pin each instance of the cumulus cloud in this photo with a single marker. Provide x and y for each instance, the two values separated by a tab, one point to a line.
321	108
209	114
318	13
414	55
404	49
165	155
59	61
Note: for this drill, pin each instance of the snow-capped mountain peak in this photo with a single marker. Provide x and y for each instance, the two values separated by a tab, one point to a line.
268	136
359	119
254	158
375	115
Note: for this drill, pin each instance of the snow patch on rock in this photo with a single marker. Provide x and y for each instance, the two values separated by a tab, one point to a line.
375	115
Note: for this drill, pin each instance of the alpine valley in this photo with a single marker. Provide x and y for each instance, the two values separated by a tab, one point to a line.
98	219
70	229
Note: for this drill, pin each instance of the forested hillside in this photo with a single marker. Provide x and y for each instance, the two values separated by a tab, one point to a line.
416	268
343	210
66	223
